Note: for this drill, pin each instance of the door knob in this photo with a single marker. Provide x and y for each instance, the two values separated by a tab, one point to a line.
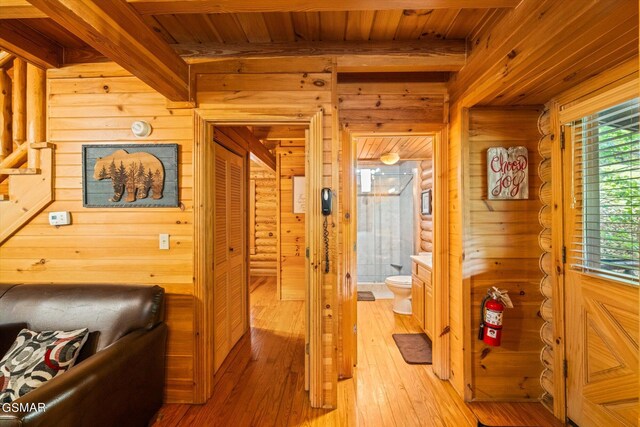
230	249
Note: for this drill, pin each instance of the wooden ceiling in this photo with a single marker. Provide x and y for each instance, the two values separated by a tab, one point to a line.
493	52
409	147
319	26
369	25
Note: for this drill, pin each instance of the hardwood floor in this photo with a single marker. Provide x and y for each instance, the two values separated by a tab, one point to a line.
262	381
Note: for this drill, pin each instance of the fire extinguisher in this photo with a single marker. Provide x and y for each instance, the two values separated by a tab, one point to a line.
493	304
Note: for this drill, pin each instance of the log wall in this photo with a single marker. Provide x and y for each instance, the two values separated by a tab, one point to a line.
264	258
426	221
545	147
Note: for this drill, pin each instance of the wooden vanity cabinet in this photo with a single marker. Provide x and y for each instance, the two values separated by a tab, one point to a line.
422	297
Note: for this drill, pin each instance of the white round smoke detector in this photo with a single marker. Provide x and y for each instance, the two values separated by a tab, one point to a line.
141	129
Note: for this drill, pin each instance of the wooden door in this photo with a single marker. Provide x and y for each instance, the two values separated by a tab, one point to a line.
601	329
602	351
229	293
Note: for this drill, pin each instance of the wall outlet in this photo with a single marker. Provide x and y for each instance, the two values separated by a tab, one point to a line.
164	241
59	218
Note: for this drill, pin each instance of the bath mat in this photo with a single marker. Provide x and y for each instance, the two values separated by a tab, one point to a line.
366	296
415	348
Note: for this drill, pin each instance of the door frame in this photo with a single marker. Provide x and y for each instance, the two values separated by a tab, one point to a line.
203	364
348	298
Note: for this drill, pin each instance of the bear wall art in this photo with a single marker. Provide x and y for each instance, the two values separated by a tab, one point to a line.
130	175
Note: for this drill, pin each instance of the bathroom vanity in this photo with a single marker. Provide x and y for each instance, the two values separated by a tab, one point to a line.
422	292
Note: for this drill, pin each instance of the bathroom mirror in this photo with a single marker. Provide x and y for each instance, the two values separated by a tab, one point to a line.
426	202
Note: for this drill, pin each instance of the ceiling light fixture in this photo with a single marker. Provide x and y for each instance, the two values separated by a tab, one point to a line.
390	158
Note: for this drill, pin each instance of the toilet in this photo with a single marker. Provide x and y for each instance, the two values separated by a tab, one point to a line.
401	288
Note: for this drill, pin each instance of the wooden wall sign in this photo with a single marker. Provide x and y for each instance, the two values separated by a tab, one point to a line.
508	173
130	175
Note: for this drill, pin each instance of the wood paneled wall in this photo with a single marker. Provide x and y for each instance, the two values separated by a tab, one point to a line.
426	221
493	243
291	226
263	261
503	251
392	106
97	104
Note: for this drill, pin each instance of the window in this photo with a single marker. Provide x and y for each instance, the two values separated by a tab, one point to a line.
606	191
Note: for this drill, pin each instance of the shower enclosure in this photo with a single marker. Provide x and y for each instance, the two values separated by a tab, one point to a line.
386	215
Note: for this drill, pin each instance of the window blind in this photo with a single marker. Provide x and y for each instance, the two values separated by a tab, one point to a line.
605	192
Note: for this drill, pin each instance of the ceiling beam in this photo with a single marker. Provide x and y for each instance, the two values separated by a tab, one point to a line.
19	9
22	9
6	59
382	56
28	44
351	56
118	32
258	151
278	133
156	7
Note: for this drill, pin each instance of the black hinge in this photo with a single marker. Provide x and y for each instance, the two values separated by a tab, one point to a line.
306	252
565	368
562	137
564	254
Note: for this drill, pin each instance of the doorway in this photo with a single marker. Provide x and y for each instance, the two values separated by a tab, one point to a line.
208	363
360	150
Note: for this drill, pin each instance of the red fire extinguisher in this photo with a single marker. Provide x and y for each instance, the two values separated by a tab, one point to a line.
493	304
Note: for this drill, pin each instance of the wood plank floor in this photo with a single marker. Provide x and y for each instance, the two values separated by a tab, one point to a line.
262	383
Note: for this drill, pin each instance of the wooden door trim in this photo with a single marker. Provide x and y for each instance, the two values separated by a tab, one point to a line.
557	270
205	120
441	353
348	274
441	358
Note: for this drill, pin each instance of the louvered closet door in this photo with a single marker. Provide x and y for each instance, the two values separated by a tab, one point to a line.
237	229
229	249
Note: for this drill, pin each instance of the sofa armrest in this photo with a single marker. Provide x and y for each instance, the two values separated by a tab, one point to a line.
121	385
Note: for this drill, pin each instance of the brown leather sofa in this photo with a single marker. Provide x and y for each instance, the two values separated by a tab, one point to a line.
118	378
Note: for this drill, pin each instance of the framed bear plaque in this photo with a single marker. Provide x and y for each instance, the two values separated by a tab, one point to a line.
130	175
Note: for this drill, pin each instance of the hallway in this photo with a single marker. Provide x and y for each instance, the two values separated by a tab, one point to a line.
262	383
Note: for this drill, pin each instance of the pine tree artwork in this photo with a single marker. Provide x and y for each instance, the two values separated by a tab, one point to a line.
137	174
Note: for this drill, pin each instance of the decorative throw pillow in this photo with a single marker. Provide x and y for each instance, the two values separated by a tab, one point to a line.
36	357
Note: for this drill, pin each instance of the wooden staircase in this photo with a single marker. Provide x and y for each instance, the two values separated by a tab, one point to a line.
29	191
26	164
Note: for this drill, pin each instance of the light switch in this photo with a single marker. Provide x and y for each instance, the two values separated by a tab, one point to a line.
164	241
